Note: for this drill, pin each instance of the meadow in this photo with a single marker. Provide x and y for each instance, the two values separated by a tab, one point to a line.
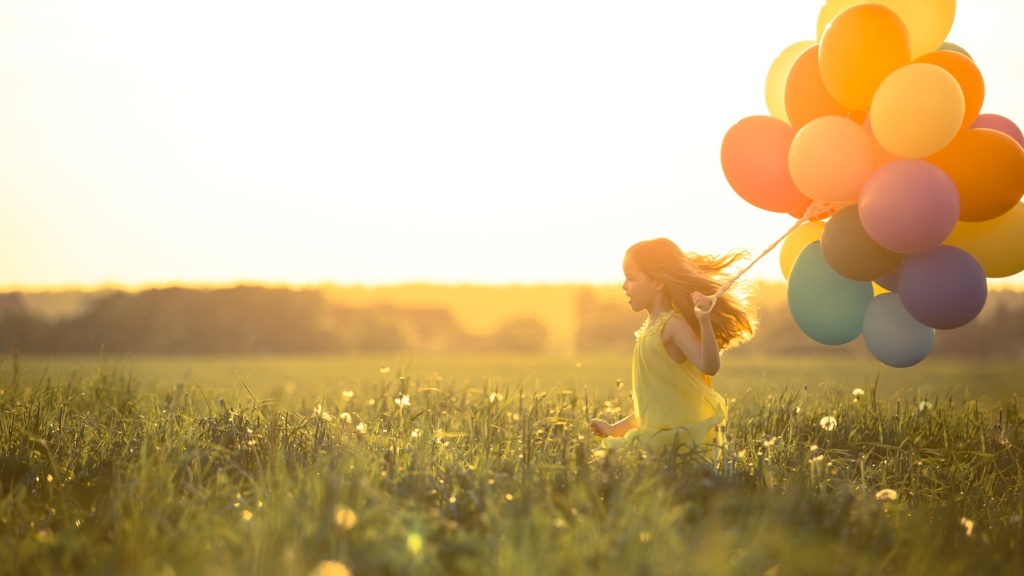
431	464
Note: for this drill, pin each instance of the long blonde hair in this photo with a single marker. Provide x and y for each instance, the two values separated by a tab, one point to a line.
682	273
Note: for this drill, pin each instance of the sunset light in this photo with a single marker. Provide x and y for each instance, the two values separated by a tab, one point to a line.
374	143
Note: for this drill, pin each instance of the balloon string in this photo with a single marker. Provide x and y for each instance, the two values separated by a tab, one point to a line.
814	208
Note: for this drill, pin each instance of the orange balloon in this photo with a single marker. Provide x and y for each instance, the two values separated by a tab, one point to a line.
830	159
861	46
754	157
775	83
955	48
987	167
917	110
966	74
805	95
997	244
830	10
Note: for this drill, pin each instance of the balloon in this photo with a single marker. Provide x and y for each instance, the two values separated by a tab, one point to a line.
805	96
1000	123
850	251
892	334
955	48
827	307
967	76
775	84
862	45
988	169
830	159
830	10
882	156
796	241
927	21
754	157
909	206
917	110
944	288
997	244
890	281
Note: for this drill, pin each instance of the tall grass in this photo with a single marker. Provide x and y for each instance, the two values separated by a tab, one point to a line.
401	475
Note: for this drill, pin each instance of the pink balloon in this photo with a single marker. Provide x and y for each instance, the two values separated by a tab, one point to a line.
1000	123
909	206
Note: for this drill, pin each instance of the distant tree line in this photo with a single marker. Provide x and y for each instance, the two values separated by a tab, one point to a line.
249	320
264	320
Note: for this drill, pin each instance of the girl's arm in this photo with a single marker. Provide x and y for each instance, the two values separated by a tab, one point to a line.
702	352
601	428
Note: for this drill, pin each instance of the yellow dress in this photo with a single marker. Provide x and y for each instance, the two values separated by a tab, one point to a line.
674	404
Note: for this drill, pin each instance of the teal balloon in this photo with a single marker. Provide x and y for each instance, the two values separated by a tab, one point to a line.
893	336
828	307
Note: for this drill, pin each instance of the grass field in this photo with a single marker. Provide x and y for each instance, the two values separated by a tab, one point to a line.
473	465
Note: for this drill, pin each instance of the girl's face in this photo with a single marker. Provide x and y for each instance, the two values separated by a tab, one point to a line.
641	289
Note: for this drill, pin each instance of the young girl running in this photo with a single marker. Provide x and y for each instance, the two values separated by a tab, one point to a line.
678	347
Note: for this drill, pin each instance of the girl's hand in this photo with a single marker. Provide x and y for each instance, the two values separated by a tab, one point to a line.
702	304
600	428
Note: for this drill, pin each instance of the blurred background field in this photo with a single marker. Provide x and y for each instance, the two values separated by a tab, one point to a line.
282	377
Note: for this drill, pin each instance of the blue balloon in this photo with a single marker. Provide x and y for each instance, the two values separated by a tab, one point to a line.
892	334
827	306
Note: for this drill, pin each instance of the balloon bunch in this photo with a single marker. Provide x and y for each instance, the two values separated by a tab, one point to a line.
909	197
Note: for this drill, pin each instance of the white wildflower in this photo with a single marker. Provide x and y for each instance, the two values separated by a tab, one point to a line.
886	495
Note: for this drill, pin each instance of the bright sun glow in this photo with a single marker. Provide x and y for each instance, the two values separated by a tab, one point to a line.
383	142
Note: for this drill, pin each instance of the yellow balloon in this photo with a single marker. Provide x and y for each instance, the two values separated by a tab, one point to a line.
997	244
796	241
927	21
830	10
830	159
775	85
878	289
917	110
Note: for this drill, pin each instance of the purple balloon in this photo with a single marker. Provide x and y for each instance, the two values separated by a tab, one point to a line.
944	287
1001	124
909	206
890	281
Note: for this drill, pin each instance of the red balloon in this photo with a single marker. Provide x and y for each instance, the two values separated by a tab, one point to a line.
755	160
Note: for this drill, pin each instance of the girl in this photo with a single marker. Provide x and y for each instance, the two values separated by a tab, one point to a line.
677	349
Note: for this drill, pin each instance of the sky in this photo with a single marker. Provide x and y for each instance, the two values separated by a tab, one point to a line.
149	143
